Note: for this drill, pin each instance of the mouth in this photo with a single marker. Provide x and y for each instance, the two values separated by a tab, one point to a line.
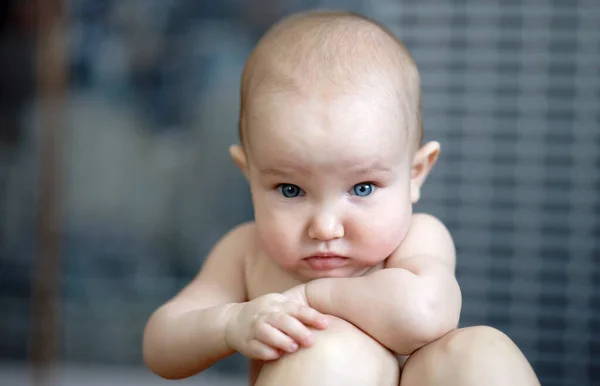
326	261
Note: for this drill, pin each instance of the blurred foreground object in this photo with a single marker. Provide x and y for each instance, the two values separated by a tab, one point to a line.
52	85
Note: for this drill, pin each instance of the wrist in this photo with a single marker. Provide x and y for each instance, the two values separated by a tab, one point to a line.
319	295
231	314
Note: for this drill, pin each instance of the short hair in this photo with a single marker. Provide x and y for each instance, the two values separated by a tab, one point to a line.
326	48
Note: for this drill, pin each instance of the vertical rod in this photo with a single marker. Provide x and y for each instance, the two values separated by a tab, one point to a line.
51	79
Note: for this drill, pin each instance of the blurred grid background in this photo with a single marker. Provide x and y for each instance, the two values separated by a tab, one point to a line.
511	90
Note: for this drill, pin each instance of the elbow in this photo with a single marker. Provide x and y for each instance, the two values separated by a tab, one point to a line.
434	316
153	361
436	325
167	352
441	313
156	362
162	370
155	352
151	351
150	354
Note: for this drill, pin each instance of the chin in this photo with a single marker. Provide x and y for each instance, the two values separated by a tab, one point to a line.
308	275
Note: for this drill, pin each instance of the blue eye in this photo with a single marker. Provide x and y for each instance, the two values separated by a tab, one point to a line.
289	190
363	189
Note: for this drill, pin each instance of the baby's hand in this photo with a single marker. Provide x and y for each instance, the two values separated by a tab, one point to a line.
268	326
298	294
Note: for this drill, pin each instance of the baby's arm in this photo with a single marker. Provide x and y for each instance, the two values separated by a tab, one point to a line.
210	319
187	334
411	302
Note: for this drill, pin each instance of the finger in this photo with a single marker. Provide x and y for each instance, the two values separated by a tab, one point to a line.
261	351
308	316
273	337
292	327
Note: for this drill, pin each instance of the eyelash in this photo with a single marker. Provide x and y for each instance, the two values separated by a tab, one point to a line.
279	186
372	185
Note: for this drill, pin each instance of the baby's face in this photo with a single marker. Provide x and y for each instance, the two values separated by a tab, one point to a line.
330	181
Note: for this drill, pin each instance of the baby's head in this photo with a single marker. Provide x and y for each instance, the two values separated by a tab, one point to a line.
331	131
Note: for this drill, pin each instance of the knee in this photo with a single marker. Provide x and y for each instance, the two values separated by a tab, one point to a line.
346	342
478	353
474	343
342	355
343	343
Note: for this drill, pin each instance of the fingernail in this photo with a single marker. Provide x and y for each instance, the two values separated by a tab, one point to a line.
293	347
309	340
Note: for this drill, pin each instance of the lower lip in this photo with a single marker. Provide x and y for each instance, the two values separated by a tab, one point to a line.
326	263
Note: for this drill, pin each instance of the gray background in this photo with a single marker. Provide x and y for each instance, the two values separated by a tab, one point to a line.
511	89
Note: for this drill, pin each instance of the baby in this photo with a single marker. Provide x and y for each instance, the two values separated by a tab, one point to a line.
336	281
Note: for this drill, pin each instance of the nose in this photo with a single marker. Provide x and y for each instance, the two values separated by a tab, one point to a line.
325	226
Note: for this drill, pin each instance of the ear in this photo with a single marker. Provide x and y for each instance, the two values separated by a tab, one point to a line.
423	161
239	157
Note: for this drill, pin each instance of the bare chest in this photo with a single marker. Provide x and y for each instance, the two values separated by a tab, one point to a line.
263	276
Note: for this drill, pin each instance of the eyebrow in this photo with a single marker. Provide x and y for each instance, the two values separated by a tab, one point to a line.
283	172
356	170
370	168
274	172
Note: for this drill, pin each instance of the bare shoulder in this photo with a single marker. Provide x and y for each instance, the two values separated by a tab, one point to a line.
426	225
238	241
427	239
221	278
232	248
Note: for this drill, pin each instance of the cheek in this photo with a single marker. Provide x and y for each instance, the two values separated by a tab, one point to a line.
277	229
380	231
279	242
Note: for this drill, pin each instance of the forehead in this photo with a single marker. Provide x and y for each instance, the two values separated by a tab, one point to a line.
345	129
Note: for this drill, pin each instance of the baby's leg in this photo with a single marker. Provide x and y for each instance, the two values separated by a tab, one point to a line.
342	355
472	356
